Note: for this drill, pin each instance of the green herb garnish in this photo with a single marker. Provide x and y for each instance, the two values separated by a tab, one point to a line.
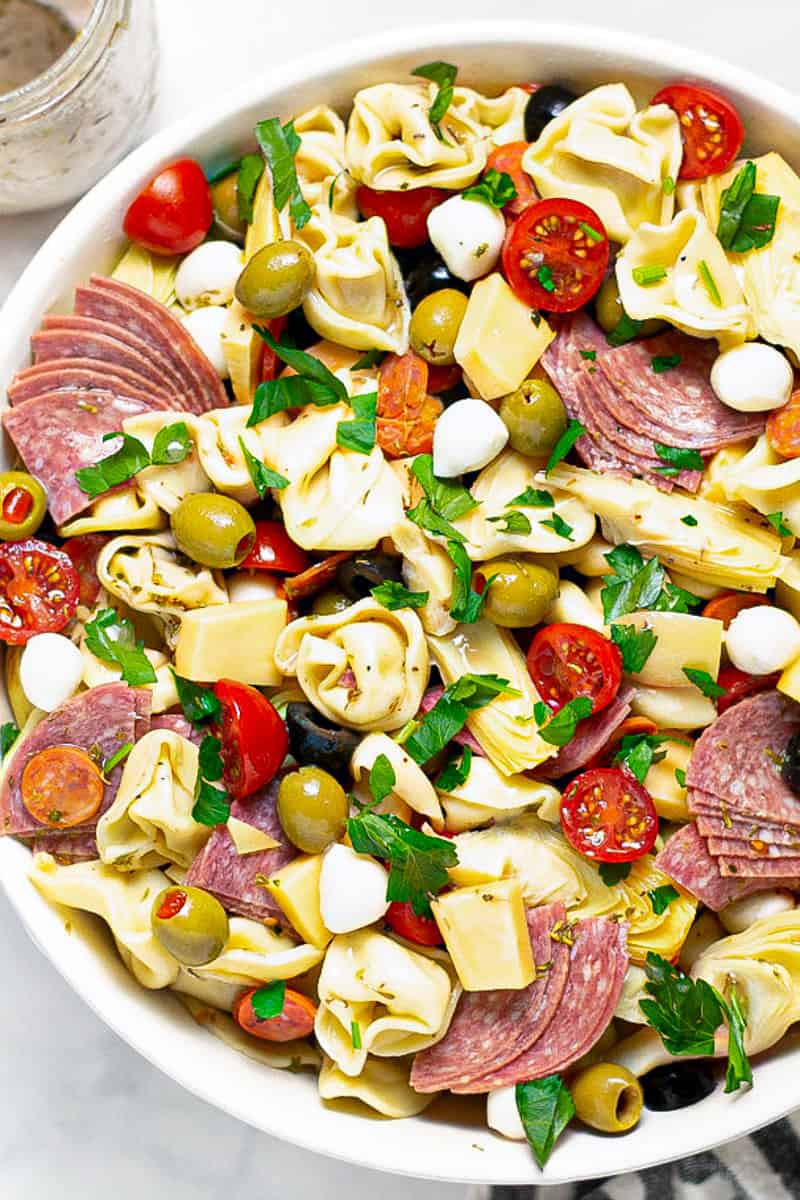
382	779
689	520
496	189
593	235
9	732
564	444
668	185
116	759
313	383
613	873
532	498
545	1107
660	363
703	681
263	477
360	433
465	603
648	276
198	703
662	897
512	522
779	525
746	217
557	729
455	773
251	168
171	445
449	714
638	752
112	638
418	863
211	804
117	468
624	331
372	358
709	282
393	595
559	526
637	584
636	645
279	144
269	1000
355	1035
545	277
444	76
428	519
450	500
680	777
590	355
677	460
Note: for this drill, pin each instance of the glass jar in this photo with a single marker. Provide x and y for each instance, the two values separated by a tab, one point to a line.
61	130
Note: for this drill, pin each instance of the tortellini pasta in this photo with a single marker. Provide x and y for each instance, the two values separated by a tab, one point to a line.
383	1084
603	152
698	292
488	795
427	567
255	954
150	822
411	785
124	508
163	693
320	159
220	451
402	1001
758	477
167	486
364	667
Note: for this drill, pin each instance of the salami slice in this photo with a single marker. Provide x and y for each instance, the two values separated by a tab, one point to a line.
68	337
732	847
67	848
100	721
777	835
686	860
731	866
177	723
90	375
489	1029
591	737
231	876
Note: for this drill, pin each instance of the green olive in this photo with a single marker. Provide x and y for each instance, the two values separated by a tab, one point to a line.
23	504
312	808
535	417
609	311
607	1097
276	280
225	198
191	924
520	593
329	601
435	325
213	530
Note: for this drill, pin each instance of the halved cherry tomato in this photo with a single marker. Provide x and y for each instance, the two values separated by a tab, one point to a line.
38	590
317	577
271	365
405	922
254	738
296	1020
555	255
173	213
405	213
711	128
83	551
630	727
565	661
274	550
783	428
441	379
508	158
406	413
739	685
727	605
606	814
62	787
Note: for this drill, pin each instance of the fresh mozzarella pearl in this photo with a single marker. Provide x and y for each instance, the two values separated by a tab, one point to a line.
469	236
763	639
741	914
502	1115
50	670
208	275
468	435
752	378
352	890
206	326
251	585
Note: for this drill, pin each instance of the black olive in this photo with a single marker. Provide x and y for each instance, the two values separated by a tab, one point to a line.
429	274
360	574
545	104
298	331
316	741
677	1085
791	763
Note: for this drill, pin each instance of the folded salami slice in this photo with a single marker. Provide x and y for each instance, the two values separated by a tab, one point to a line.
732	847
489	1029
100	721
67	848
772	835
591	737
177	723
90	375
69	337
686	860
771	869
231	876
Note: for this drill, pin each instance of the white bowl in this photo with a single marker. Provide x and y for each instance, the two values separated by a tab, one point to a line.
449	1143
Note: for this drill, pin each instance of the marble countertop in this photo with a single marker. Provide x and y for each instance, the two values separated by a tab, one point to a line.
78	1109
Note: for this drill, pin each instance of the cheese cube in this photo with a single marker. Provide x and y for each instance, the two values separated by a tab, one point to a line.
486	935
789	682
669	796
296	888
499	342
682	641
231	641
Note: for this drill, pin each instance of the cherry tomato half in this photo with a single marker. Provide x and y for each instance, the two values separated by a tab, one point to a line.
739	685
62	787
406	413
274	550
606	814
711	128
83	551
254	738
173	213
565	661
727	605
783	428
405	213
555	255
296	1020
508	158
38	590
405	922
443	378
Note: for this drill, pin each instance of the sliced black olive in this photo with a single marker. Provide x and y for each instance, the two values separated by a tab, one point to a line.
298	330
677	1085
791	763
360	574
316	741
545	104
429	274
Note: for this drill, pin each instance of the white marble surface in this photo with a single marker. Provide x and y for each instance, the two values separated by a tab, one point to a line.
80	1114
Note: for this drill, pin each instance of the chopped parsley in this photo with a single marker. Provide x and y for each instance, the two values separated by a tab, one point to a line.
545	277
545	1107
564	444
198	703
313	383
450	500
590	355
449	714
677	460
593	235
624	331
465	603
9	732
703	681
444	76
211	804
680	777
648	276
426	516
746	217
709	282
559	526
689	520
456	771
635	645
779	525
117	758
269	1000
113	639
394	595
418	863
382	779
661	897
532	498
372	358
512	522
613	873
637	584
360	433
355	1035
668	185
251	168
638	752
557	729
279	144
660	363
129	458
263	477
496	189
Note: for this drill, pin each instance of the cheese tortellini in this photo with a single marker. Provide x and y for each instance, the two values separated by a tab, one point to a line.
163	693
411	785
427	567
150	575
255	954
320	159
124	508
364	667
166	486
383	1085
220	434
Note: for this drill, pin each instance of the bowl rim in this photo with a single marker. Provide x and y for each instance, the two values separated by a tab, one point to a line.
33	293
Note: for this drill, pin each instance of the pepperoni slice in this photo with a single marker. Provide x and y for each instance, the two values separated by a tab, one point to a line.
406	413
62	787
295	1021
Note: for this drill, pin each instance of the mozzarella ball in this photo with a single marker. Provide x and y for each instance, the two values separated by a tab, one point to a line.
352	889
244	586
208	275
741	914
50	670
753	377
502	1114
468	234
763	639
206	326
468	435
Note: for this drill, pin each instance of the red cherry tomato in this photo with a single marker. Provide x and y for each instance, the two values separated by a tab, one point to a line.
555	255
441	379
565	661
38	590
405	922
271	365
508	158
405	213
254	738
274	550
296	1020
711	128
727	605
173	213
606	814
739	685
83	551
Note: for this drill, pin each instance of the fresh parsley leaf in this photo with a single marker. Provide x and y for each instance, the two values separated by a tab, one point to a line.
660	363
360	433
689	520
263	477
117	468
428	519
449	714
647	276
382	778
355	1035
680	777
444	76
545	277
637	584
746	217
456	771
564	444
450	500
559	728
210	763
638	752
676	599
279	144
211	805
198	703
372	358
269	1000
703	681
589	355
251	168
496	189
512	522
709	282
739	1070
393	595
685	1013
465	603
222	172
9	732
613	873
532	498
172	444
662	897
559	526
624	331
677	460
313	383
635	645
112	638
545	1107
778	524
116	759
418	863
